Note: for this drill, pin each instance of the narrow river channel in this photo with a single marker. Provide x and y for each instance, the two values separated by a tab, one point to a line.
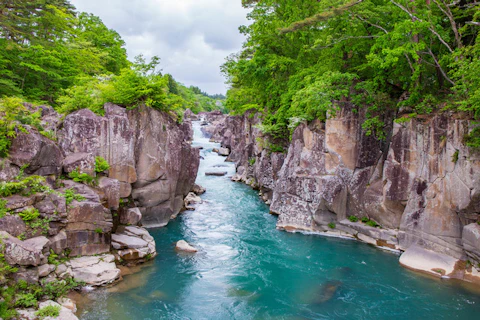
246	269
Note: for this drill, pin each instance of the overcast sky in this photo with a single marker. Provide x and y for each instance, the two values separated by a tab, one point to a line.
192	37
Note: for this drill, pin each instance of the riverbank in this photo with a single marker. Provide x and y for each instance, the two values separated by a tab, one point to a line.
332	175
247	269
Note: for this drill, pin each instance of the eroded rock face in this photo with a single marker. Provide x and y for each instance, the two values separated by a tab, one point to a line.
166	166
31	252
421	183
41	155
130	216
183	246
471	243
148	153
133	244
95	270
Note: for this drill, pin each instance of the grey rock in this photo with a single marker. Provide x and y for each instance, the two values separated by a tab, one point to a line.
198	189
30	252
130	216
183	245
41	154
109	192
81	161
95	270
216	173
45	270
13	224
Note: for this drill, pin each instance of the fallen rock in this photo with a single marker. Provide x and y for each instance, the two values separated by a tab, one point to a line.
45	270
215	173
13	224
8	171
190	200
131	216
434	263
95	270
198	189
224	152
30	275
133	244
471	241
183	245
84	162
122	241
30	252
16	202
65	313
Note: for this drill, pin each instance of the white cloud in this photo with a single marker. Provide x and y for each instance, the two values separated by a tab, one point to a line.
192	37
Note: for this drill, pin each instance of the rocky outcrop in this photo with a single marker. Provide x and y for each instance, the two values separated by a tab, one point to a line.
420	184
183	246
166	165
148	153
31	252
94	270
96	218
246	145
133	245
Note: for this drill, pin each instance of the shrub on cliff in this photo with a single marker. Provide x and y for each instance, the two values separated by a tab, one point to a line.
101	164
48	311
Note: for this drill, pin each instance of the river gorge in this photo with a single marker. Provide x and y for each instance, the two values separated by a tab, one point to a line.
247	269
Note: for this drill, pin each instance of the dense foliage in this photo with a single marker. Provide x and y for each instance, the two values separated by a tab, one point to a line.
303	59
50	53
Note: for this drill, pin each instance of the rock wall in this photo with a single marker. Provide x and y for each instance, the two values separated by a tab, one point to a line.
421	185
152	169
148	153
248	148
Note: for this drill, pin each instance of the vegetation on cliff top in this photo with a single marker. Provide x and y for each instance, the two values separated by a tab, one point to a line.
302	59
49	53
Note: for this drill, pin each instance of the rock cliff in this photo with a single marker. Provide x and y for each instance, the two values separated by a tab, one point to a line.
417	192
61	217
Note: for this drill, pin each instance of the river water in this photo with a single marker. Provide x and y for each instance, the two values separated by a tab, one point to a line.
246	269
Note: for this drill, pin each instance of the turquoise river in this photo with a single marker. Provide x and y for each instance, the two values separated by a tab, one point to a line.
246	269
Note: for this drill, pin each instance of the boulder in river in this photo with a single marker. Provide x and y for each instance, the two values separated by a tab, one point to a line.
191	200
216	173
183	245
223	152
198	189
95	270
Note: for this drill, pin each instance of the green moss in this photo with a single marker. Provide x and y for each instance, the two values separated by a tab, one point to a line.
26	187
353	219
99	230
48	311
372	223
101	164
455	157
29	214
332	225
3	208
76	176
70	195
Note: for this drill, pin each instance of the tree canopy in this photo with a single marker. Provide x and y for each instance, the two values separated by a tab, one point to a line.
71	60
302	58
